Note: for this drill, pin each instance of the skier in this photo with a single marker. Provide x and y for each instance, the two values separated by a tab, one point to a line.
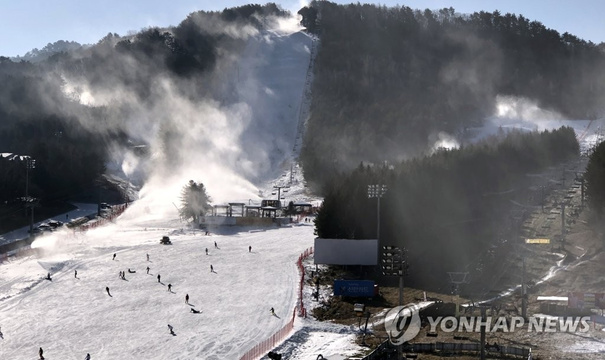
76	274
249	248
170	287
114	257
170	328
87	357
159	278
147	257
147	269
107	289
187	299
206	251
211	268
48	277
215	245
40	352
272	311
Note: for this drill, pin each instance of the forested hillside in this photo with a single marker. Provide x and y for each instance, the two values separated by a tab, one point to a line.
75	109
387	80
448	209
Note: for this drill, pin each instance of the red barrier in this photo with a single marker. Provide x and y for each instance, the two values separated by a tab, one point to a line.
267	345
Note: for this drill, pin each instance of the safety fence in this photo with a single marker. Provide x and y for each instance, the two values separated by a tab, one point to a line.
267	345
457	348
22	247
448	349
302	311
116	211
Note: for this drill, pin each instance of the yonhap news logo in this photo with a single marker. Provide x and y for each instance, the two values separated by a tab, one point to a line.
402	323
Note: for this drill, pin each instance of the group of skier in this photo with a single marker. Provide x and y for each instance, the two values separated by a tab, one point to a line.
123	277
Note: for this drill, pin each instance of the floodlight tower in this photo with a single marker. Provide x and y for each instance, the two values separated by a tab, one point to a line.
377	191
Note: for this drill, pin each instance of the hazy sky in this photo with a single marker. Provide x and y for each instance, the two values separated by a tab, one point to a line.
28	24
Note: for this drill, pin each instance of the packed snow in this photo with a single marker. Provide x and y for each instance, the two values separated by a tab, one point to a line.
87	308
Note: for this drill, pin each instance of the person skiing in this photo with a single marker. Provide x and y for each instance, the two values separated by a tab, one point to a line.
159	278
87	356
107	289
206	251
215	245
170	287
48	277
249	248
147	257
211	268
40	352
170	328
76	274
114	257
272	311
187	299
147	269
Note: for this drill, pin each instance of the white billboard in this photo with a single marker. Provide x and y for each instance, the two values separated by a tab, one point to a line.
346	252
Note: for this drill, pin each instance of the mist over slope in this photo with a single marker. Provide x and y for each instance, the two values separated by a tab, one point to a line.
390	82
215	99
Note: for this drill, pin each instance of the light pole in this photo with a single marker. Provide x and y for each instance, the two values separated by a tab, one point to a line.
394	264
377	191
30	164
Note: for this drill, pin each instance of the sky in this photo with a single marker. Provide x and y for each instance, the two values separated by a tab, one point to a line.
29	24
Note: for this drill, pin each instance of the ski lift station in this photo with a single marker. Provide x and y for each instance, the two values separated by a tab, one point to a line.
269	212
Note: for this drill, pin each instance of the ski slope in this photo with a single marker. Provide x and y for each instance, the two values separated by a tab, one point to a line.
71	316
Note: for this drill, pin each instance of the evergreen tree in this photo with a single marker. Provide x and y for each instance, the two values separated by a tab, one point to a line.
195	201
595	179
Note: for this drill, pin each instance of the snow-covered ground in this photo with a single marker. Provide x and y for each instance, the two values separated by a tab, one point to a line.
71	316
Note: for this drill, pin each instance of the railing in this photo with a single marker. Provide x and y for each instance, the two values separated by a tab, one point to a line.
267	345
449	348
302	311
116	211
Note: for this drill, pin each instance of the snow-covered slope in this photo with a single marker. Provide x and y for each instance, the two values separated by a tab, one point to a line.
71	316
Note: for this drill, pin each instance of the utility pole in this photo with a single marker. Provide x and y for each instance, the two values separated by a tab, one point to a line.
394	264
562	224
483	323
582	192
30	164
523	292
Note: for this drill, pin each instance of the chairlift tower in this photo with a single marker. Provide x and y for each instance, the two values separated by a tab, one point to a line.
279	187
456	279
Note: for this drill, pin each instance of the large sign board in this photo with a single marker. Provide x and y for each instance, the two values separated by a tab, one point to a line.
580	300
355	288
345	252
537	241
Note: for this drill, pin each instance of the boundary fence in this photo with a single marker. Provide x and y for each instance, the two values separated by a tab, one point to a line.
268	344
449	349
